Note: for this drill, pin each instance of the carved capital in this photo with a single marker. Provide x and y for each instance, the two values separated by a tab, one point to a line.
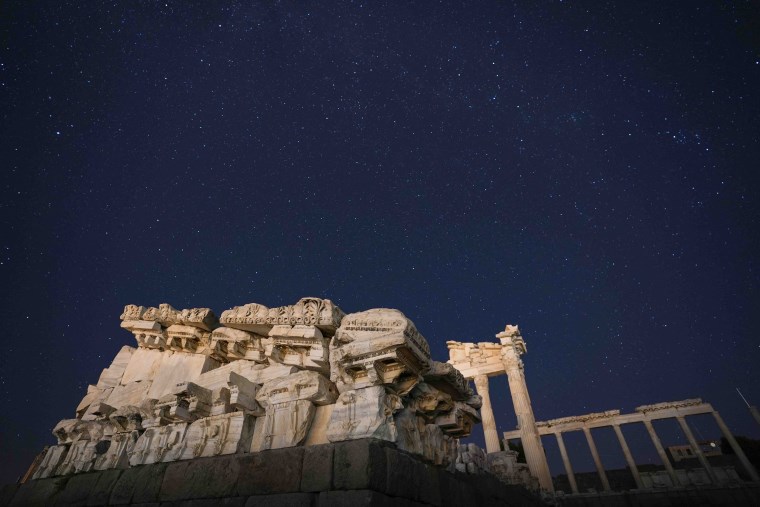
481	383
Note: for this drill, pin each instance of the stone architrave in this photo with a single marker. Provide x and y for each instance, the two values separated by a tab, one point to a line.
290	406
217	435
364	413
378	347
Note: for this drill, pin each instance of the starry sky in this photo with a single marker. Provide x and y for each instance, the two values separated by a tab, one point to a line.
587	170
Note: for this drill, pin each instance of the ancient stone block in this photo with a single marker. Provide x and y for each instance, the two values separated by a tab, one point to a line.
111	376
290	407
178	367
364	413
117	455
379	346
101	492
138	485
217	435
198	479
270	472
161	443
301	346
187	402
142	365
133	393
360	464
317	468
53	458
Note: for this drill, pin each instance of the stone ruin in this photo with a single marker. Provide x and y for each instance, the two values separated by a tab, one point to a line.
261	378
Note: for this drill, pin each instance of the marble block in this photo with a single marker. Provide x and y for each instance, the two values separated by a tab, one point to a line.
216	435
364	413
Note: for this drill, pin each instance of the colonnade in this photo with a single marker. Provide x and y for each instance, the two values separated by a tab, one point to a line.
677	410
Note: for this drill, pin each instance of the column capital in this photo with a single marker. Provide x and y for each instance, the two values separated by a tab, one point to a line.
481	382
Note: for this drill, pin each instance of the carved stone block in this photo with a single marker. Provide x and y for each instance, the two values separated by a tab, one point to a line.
182	338
301	346
216	435
202	318
165	314
53	458
364	413
251	317
376	347
290	406
117	455
158	444
188	402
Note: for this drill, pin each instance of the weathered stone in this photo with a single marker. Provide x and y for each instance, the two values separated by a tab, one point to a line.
212	478
317	468
282	500
268	472
364	413
376	347
360	464
101	493
77	490
42	493
162	443
217	435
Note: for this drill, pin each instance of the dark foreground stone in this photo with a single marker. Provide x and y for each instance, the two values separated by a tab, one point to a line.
354	473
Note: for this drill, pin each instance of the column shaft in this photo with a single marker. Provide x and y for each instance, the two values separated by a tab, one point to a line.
566	461
697	450
735	446
597	460
526	423
628	456
486	414
661	452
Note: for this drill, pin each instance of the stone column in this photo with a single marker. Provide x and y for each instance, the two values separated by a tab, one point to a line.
697	450
628	456
486	414
597	460
512	347
755	413
566	461
661	452
735	446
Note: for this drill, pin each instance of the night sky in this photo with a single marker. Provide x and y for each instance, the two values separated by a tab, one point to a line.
586	170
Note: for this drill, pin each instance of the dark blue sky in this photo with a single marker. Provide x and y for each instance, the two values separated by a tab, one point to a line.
587	170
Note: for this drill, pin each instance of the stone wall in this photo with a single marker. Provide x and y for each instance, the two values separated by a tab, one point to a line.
366	472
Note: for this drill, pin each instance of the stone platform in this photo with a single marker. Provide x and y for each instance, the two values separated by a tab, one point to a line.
354	473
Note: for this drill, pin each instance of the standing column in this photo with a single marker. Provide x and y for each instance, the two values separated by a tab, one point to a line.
486	414
566	461
755	413
661	452
735	446
597	460
513	346
697	450
628	456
